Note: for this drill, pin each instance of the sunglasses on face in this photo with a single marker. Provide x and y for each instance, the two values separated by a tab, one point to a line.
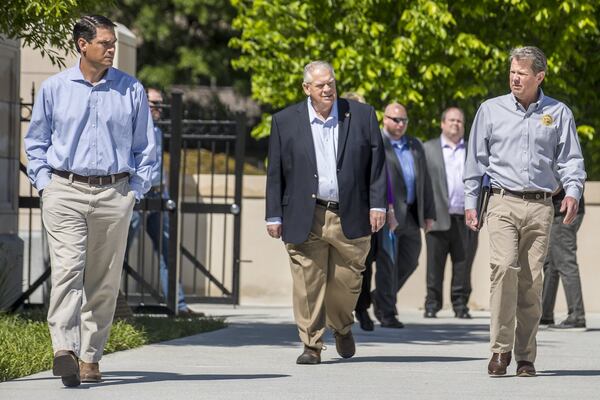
398	120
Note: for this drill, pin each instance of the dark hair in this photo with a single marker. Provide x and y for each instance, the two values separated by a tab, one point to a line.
86	27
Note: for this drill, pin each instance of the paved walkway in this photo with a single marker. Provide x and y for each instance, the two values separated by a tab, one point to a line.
254	358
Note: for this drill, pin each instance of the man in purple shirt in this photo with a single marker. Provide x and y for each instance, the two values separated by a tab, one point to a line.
449	235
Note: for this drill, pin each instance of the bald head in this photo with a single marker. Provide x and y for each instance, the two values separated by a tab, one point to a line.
395	120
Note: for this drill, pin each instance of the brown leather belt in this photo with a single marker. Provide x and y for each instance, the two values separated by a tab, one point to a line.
523	195
330	205
92	180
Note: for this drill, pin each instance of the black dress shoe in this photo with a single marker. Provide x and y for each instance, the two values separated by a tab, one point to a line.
391	322
498	363
430	314
309	356
463	314
344	344
366	323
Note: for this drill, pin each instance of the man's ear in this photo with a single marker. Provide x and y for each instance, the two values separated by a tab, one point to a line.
82	43
305	88
540	77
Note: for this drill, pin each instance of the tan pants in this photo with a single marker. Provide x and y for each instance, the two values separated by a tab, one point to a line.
87	233
326	271
519	235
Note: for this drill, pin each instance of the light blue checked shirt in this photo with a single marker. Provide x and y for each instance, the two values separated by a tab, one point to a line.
524	150
86	129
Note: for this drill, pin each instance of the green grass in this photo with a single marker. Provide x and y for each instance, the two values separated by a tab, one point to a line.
25	346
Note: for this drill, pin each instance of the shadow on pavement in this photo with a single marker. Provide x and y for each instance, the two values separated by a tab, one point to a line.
402	359
286	334
570	372
126	377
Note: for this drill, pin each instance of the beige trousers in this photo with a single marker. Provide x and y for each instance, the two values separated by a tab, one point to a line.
326	272
519	235
87	233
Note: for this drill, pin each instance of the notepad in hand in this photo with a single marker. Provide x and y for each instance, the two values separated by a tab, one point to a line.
485	189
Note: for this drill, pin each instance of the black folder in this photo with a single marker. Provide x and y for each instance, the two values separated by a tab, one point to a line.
485	190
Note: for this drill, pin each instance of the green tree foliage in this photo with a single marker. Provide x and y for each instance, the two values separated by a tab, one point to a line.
45	25
427	54
182	41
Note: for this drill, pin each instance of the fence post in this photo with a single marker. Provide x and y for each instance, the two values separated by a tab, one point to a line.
174	210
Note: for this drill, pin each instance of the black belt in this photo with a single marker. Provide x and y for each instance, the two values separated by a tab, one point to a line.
523	195
91	180
330	205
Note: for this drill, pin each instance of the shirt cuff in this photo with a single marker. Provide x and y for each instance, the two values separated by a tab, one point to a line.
42	181
274	221
379	209
470	202
573	192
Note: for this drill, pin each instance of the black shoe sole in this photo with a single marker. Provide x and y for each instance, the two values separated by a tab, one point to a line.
67	367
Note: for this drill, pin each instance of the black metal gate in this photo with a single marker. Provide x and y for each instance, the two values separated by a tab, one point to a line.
200	210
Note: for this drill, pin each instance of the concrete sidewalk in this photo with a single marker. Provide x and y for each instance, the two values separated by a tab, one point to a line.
254	358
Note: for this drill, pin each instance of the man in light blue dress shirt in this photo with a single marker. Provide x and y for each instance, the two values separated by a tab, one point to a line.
91	150
526	142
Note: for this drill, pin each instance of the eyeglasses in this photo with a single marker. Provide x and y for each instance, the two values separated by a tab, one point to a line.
398	119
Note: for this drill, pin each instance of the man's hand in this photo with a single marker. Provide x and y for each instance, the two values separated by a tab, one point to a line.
428	224
471	219
391	220
570	205
377	220
274	230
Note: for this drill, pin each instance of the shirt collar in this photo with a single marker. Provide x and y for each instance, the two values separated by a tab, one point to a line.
447	143
400	142
537	103
312	114
74	73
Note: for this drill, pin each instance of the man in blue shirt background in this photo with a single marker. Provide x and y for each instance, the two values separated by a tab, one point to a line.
157	222
91	150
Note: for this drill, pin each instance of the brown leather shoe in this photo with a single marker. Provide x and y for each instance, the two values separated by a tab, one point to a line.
89	372
309	356
344	344
525	369
498	363
66	365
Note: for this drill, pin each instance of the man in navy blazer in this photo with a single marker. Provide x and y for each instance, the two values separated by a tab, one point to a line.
326	194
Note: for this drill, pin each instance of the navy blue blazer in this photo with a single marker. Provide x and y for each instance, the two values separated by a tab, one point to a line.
292	177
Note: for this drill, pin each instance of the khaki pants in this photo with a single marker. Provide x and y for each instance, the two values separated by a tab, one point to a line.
519	235
87	233
326	271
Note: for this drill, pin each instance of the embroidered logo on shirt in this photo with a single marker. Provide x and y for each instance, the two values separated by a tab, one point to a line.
547	119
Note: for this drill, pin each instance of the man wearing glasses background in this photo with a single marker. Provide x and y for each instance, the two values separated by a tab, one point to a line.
411	207
157	222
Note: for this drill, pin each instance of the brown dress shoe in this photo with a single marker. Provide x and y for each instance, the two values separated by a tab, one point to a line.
89	372
525	369
66	365
344	344
498	363
309	356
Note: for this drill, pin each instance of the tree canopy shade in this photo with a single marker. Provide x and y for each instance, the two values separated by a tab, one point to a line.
427	54
45	25
182	41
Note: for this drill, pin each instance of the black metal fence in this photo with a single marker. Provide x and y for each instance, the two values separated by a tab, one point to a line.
192	221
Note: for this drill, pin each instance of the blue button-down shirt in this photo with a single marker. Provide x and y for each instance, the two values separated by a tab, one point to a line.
407	162
87	129
524	150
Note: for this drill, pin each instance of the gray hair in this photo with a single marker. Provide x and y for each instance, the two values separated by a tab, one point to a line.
311	66
537	57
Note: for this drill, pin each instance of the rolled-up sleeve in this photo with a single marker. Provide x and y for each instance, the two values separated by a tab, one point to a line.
38	139
144	145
